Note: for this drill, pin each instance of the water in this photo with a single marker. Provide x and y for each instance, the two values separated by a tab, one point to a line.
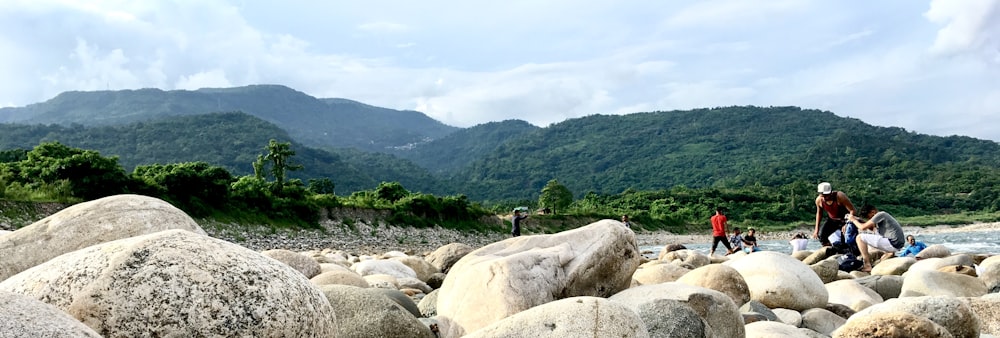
973	242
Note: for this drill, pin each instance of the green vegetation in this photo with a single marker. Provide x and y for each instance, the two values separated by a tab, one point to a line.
668	170
55	172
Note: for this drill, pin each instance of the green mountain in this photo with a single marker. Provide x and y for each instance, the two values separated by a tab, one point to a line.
229	140
450	153
308	120
722	147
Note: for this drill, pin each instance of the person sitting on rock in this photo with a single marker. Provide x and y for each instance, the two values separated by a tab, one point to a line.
736	240
912	247
888	235
750	241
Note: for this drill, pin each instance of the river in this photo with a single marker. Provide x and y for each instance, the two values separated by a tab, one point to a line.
974	242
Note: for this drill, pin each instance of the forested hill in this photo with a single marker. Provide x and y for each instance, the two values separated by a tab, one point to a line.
311	121
724	147
447	155
228	140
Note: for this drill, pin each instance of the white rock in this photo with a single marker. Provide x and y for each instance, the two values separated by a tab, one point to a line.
936	283
23	316
178	283
778	280
86	224
519	273
383	267
569	318
850	293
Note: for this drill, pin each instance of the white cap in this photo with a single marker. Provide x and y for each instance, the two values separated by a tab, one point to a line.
824	188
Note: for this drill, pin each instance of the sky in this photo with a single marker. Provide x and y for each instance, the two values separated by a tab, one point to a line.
931	67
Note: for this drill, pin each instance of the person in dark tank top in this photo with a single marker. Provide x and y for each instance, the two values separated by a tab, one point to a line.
836	205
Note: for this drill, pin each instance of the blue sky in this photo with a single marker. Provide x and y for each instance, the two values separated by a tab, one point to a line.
931	67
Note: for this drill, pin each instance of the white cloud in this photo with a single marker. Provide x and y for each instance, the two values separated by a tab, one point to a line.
215	78
893	62
971	26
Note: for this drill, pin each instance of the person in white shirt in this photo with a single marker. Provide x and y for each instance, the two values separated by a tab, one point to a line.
799	242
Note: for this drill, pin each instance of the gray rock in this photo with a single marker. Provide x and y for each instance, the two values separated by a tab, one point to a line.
754	306
681	323
400	298
302	263
428	304
717	310
822	321
887	286
444	257
368	312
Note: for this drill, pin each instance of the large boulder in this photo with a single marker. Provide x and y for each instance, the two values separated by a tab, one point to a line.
852	294
178	283
23	316
86	224
987	309
366	312
778	280
519	273
569	318
720	315
655	272
949	312
720	278
936	283
302	263
446	256
934	251
990	273
896	324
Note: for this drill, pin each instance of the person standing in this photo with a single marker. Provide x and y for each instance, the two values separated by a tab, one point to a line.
888	236
515	222
837	206
719	232
626	221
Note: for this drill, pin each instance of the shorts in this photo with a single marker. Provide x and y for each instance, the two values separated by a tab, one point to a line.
877	241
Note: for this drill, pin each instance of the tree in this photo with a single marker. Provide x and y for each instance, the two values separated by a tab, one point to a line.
555	196
391	191
279	153
321	186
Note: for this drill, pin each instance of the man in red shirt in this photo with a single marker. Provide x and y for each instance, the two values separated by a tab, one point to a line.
719	232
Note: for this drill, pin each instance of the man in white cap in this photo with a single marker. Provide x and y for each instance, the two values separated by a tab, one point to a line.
837	206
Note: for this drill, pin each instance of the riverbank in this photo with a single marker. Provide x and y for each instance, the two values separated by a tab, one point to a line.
365	238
